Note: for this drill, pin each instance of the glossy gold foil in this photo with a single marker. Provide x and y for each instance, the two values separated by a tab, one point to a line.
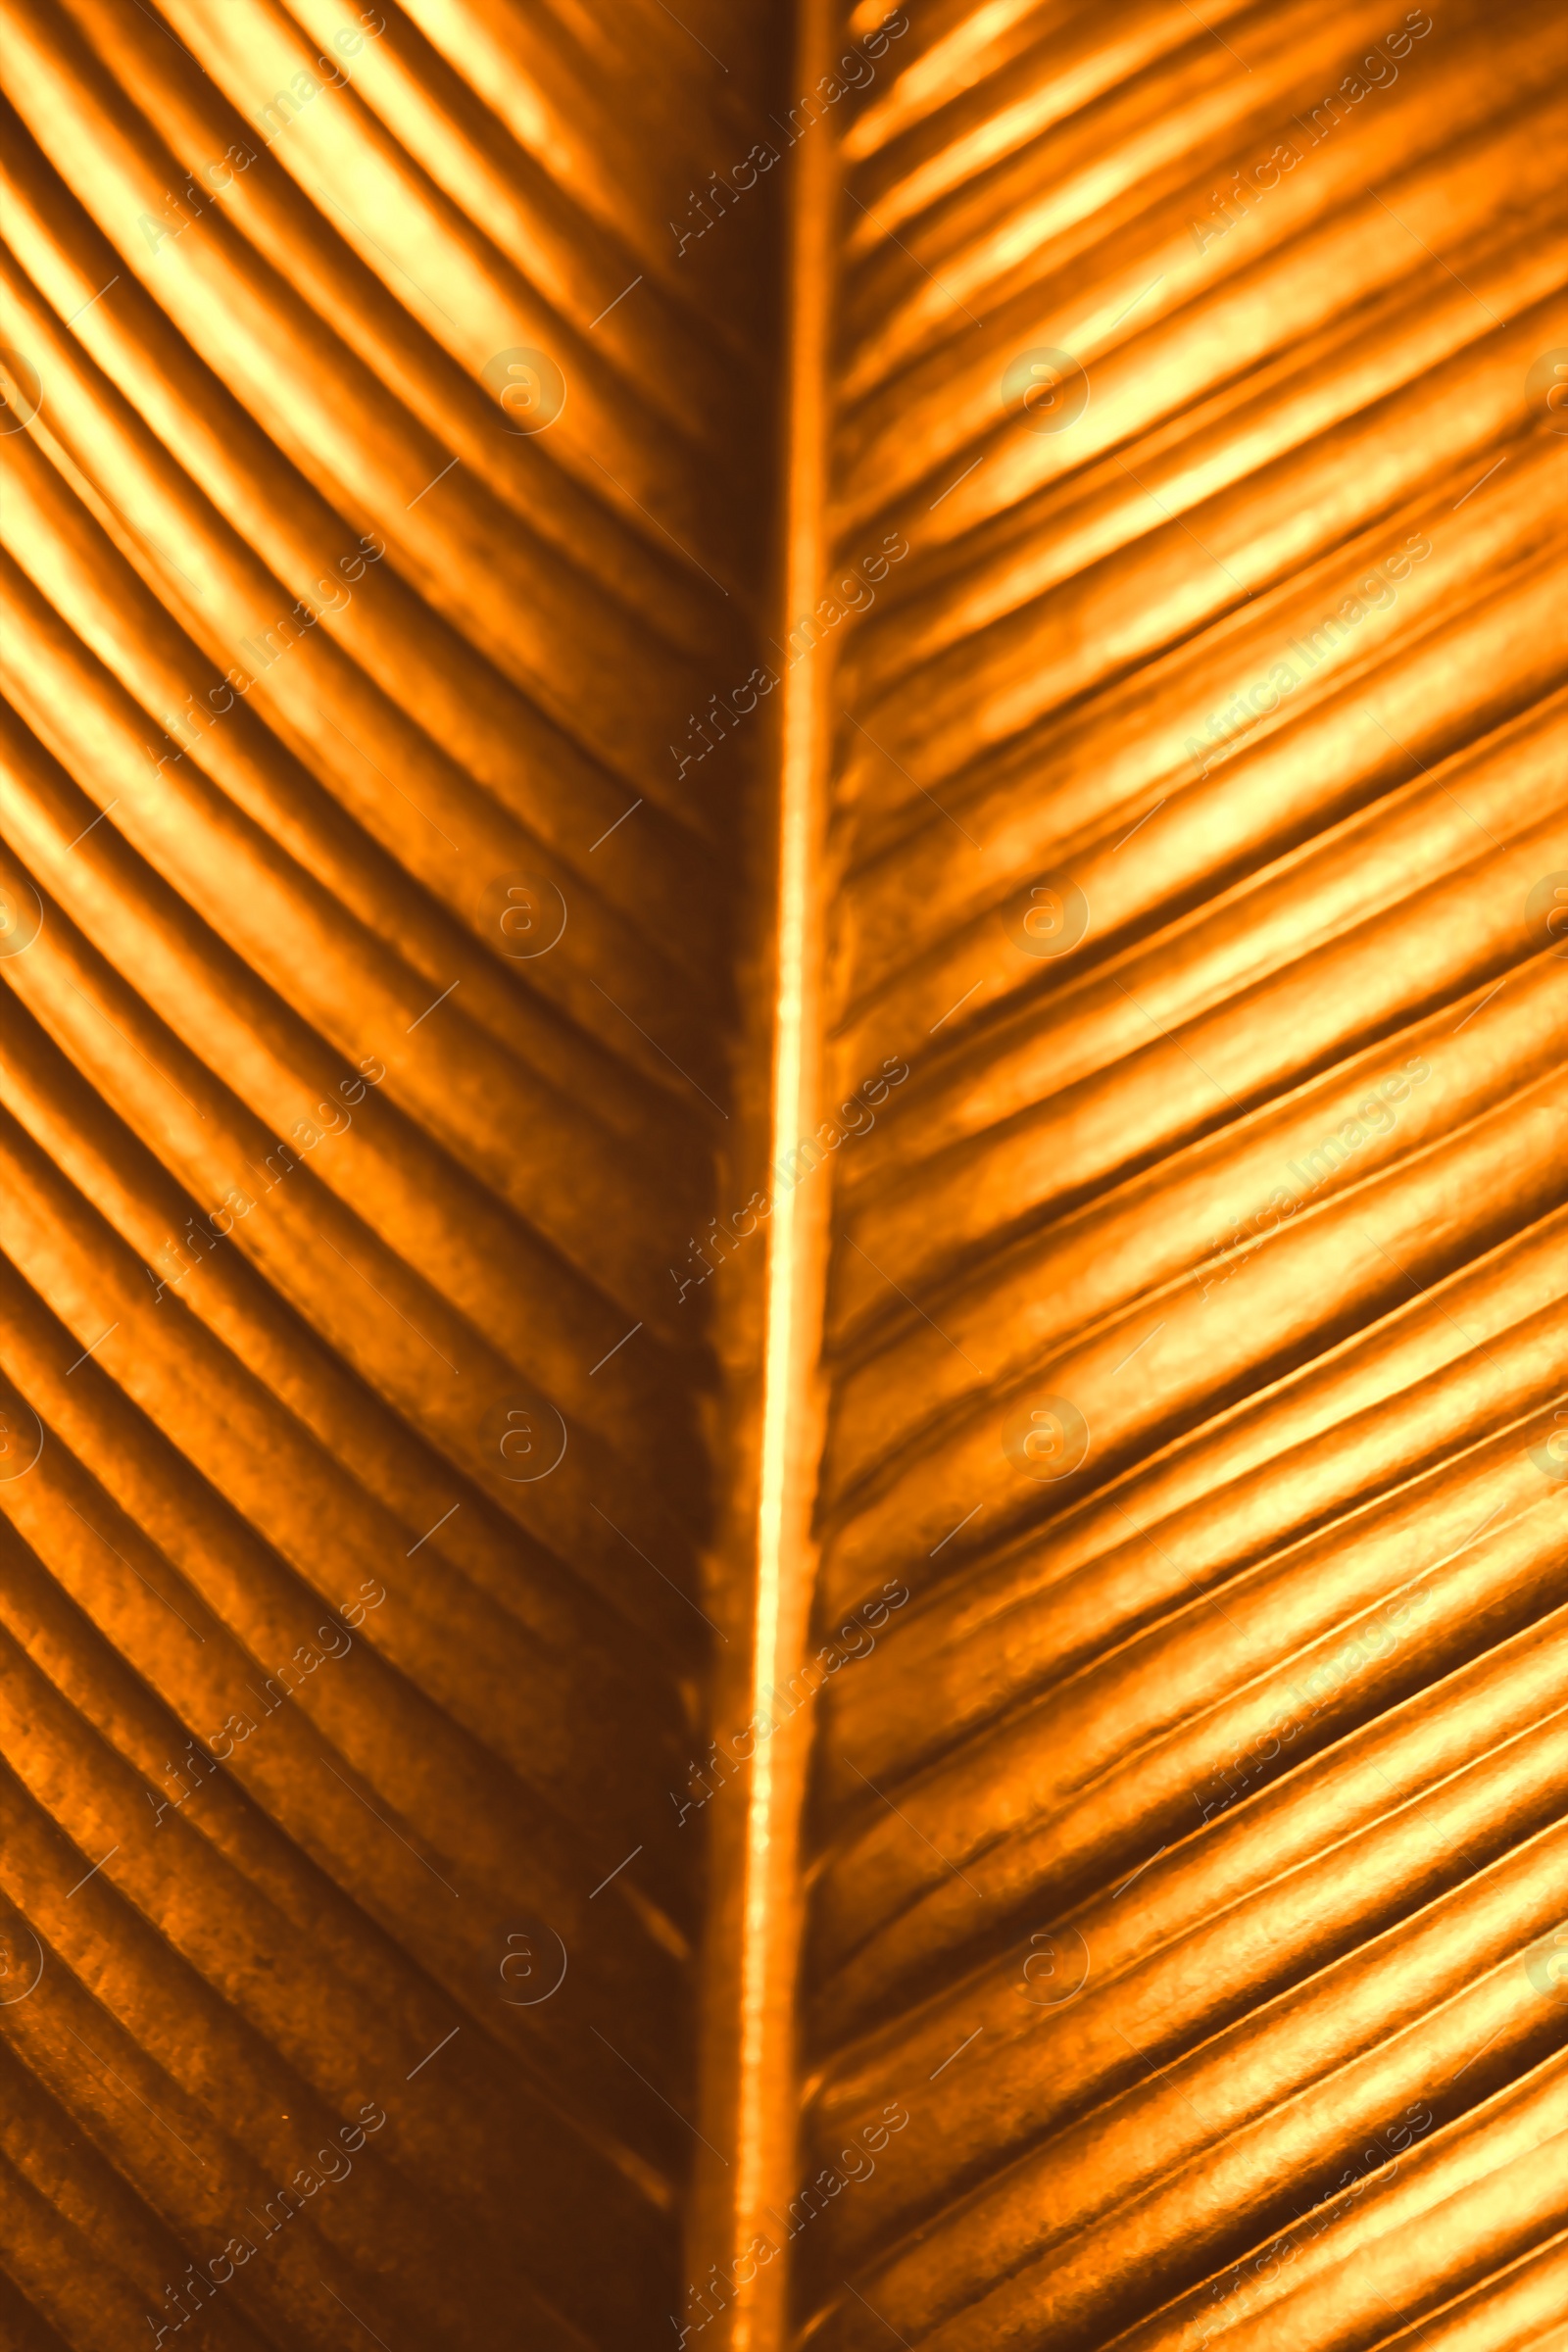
783	1271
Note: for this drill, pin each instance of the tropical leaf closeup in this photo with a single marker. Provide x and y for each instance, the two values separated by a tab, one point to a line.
784	1176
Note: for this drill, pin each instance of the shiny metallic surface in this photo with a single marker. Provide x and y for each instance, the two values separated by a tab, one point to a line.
783	1435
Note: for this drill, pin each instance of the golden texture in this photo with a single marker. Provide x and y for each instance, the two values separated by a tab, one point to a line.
783	895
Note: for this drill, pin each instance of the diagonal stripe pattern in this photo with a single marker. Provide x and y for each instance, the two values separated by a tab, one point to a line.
393	449
374	516
1188	1833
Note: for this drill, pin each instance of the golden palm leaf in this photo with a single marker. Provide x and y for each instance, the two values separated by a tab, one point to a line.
782	861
